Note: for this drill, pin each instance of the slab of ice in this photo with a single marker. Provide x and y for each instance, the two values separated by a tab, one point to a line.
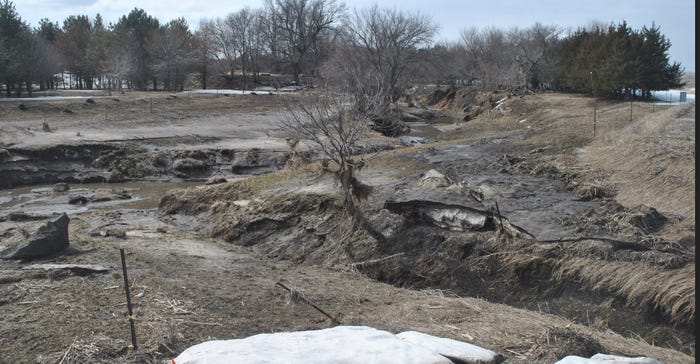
341	344
452	349
606	359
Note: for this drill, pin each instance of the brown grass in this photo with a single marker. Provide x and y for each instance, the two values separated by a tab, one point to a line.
652	162
670	291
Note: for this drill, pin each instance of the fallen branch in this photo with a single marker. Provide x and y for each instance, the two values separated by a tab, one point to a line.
199	322
617	244
68	350
374	261
295	295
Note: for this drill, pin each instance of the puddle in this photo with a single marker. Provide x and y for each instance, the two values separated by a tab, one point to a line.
42	200
423	130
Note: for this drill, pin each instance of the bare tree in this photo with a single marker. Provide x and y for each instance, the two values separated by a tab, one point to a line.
511	60
372	56
537	48
333	125
247	28
222	46
388	39
171	48
120	65
299	25
204	50
491	58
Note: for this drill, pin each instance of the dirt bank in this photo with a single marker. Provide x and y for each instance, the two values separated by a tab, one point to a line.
524	250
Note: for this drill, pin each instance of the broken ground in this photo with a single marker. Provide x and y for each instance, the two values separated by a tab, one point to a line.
583	268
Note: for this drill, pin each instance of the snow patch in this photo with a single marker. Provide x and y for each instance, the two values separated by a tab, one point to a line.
340	344
672	97
42	98
607	359
449	348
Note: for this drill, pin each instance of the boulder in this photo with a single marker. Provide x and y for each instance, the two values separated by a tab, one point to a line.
433	179
216	180
4	154
50	238
78	199
61	187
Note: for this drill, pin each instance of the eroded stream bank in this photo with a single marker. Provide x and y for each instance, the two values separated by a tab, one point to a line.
496	219
449	234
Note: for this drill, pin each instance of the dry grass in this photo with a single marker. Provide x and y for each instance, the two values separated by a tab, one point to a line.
652	162
642	285
670	291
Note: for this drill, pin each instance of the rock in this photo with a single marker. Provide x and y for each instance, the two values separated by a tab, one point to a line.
102	195
21	216
646	218
50	238
118	233
4	154
93	179
61	187
89	101
433	179
115	177
79	199
22	107
187	165
216	180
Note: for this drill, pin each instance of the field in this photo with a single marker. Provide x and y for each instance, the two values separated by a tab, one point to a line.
588	243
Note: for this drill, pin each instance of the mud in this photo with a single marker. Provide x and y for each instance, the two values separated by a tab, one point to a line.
509	227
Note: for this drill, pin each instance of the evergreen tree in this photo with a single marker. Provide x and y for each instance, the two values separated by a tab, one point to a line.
12	29
135	29
617	62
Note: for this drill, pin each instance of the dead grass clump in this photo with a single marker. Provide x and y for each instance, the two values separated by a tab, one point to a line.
195	200
558	342
626	223
672	292
517	267
590	191
97	349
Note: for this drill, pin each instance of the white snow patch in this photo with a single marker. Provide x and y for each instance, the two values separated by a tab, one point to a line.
42	98
236	92
607	359
220	92
452	349
341	345
672	97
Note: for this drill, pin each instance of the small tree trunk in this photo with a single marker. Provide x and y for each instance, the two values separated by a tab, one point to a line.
358	217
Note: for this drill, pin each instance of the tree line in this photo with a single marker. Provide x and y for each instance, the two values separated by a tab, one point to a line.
373	51
617	61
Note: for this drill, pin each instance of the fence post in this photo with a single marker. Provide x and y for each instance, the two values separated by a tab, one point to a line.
594	119
630	110
128	301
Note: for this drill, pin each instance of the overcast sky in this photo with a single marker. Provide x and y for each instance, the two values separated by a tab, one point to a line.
676	18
